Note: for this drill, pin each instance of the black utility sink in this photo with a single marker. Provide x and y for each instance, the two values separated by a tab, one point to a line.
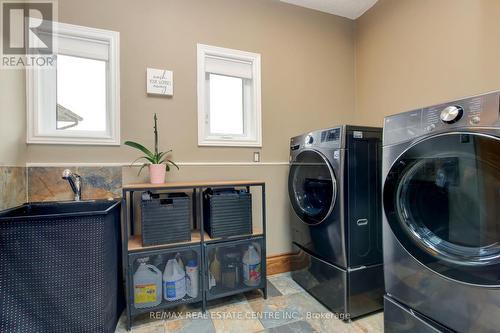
59	209
60	267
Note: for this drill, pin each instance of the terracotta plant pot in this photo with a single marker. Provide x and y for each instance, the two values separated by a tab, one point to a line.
157	173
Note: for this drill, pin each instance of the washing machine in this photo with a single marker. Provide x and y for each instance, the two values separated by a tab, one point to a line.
334	186
441	217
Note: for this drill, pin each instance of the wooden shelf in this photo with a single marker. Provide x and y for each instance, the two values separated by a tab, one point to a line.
135	242
141	186
256	232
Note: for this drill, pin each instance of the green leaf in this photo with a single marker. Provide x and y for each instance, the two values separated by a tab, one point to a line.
142	167
173	163
140	158
167	167
139	147
149	159
160	157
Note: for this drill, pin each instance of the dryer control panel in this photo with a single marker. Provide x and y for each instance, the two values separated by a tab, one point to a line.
330	135
325	138
479	111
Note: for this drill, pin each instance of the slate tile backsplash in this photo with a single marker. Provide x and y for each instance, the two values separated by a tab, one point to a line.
46	183
12	186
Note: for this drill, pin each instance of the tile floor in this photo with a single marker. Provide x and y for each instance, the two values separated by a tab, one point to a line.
288	308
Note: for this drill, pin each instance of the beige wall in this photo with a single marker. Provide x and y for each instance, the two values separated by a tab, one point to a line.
403	54
12	118
307	71
413	53
400	55
307	83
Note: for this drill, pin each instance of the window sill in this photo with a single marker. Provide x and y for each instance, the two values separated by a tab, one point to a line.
74	141
229	143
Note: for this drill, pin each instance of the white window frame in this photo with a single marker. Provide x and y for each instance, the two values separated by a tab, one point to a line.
252	120
41	88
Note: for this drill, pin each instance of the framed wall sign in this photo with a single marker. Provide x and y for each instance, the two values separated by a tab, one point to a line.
160	82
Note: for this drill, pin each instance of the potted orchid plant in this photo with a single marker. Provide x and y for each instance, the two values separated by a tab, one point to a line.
157	161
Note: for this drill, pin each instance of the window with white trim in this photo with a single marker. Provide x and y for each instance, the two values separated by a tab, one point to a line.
229	106
76	101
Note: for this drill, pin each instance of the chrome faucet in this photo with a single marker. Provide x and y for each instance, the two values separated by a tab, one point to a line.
75	181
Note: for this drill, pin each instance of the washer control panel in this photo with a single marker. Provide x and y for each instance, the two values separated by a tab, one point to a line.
470	112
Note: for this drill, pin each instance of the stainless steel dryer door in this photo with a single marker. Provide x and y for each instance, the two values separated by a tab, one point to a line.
442	202
312	187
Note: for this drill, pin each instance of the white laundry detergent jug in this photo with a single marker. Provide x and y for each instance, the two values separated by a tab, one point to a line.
147	286
192	278
179	259
251	267
174	281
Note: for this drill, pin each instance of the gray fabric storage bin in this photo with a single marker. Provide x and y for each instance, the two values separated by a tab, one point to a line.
227	212
165	218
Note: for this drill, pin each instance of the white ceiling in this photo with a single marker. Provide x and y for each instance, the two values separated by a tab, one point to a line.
347	8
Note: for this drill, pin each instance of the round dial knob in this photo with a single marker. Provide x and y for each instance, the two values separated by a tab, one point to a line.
309	139
452	114
475	120
430	127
